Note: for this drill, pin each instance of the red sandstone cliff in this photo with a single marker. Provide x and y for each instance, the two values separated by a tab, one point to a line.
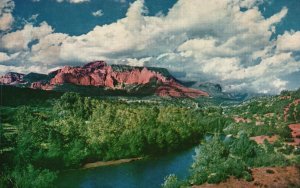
100	74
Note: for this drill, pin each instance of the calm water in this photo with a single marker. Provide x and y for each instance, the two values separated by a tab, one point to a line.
138	174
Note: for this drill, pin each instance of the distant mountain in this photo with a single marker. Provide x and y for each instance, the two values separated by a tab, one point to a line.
12	78
216	91
98	78
36	77
211	88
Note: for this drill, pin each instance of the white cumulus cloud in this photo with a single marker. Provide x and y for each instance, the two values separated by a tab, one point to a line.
73	1
289	41
6	18
98	13
19	40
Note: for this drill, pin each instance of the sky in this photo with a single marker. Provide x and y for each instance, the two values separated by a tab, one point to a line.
244	45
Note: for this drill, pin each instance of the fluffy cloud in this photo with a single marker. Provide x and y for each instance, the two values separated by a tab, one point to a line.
19	40
6	18
6	6
250	3
6	21
289	41
205	40
4	57
70	1
121	1
48	49
73	1
26	69
98	13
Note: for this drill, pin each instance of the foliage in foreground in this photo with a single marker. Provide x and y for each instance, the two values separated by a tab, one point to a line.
172	181
217	159
27	177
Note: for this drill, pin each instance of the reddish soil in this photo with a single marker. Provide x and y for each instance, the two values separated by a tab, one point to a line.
277	177
295	128
260	139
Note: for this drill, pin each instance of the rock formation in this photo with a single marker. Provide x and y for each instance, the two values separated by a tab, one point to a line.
11	78
99	74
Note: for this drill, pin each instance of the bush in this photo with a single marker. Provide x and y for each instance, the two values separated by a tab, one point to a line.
172	181
216	159
30	177
214	163
287	149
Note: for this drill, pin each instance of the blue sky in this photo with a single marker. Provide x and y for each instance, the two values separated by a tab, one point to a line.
77	18
249	45
64	17
291	21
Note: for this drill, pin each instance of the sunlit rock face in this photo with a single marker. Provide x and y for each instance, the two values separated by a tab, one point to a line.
100	74
11	78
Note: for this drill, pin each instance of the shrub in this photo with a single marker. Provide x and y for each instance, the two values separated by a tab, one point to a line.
172	181
214	163
30	177
216	159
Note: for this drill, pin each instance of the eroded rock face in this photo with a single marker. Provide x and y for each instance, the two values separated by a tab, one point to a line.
173	89
41	85
100	74
11	78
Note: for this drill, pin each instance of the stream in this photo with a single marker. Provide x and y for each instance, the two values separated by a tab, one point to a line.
146	173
